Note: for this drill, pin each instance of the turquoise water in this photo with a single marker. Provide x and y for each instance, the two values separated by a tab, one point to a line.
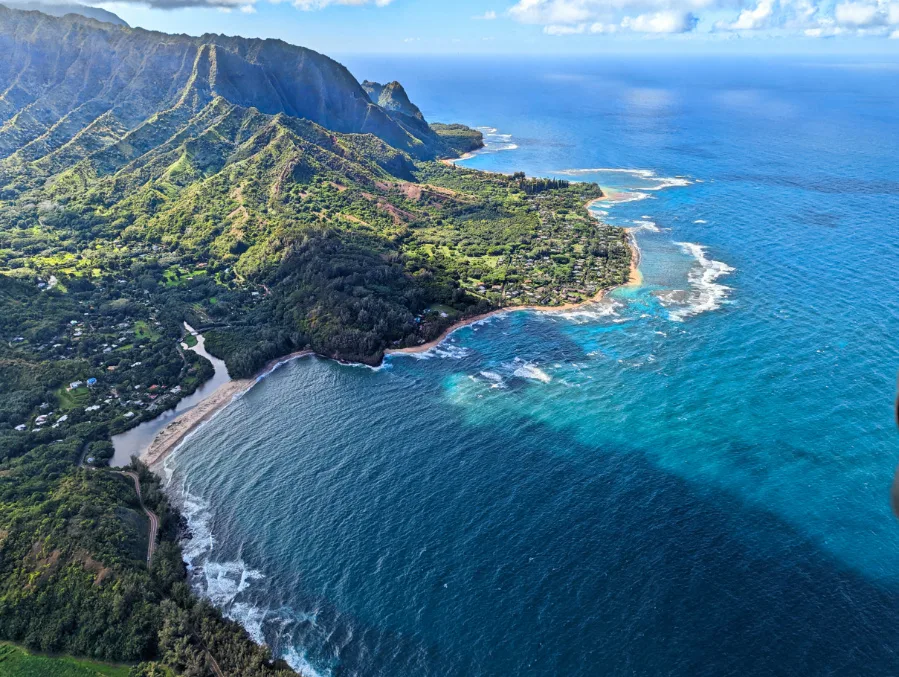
689	478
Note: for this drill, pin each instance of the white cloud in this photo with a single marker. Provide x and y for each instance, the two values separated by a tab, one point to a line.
321	4
489	15
859	14
562	29
811	18
753	19
661	22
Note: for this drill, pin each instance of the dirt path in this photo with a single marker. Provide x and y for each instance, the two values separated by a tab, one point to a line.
154	520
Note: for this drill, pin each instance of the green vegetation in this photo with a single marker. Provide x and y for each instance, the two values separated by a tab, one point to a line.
459	137
271	219
18	662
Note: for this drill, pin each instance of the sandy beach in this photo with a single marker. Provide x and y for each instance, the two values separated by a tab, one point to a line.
452	161
177	431
635	279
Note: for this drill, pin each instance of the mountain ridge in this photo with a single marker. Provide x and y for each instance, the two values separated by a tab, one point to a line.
147	180
61	9
99	82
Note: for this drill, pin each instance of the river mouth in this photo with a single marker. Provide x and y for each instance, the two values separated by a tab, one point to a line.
135	441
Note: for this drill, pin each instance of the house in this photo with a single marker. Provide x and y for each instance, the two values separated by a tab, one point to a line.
20	428
75	384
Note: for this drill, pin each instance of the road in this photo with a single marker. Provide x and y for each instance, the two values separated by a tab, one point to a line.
154	520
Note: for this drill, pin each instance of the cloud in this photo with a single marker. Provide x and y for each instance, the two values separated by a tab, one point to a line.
321	4
757	18
810	18
562	29
661	22
489	15
247	6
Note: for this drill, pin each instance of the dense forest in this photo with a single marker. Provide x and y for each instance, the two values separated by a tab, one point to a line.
269	221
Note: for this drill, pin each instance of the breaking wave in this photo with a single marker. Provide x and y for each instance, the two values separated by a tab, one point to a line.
645	226
443	350
705	293
648	175
223	583
601	310
532	372
495	141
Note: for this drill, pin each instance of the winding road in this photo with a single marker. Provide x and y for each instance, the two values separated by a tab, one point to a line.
154	520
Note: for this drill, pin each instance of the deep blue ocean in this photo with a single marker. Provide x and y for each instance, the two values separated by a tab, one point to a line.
690	478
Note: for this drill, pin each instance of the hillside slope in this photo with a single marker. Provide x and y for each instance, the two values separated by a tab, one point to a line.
253	189
73	85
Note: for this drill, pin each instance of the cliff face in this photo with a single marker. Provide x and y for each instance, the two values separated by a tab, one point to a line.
73	86
392	97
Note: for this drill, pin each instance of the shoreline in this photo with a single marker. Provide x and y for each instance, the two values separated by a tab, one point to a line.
175	433
171	437
635	279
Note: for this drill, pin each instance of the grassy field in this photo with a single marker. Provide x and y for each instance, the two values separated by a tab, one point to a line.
71	399
142	330
18	662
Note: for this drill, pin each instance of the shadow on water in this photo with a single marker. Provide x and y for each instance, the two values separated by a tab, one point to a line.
647	575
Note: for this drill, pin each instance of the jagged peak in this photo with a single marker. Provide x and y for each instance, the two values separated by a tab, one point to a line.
392	97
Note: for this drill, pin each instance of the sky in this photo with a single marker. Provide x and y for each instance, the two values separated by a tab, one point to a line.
536	27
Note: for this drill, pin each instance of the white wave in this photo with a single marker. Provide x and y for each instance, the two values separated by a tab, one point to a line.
700	221
660	182
646	227
224	581
198	514
706	293
532	372
449	351
496	380
359	365
670	182
299	662
591	313
627	196
494	141
642	173
250	617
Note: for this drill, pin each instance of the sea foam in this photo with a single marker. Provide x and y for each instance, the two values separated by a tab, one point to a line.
706	293
532	372
648	175
495	141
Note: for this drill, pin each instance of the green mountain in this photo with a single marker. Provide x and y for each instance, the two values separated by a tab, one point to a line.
96	83
63	8
258	191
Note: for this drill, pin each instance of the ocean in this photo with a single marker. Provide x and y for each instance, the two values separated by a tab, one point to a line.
688	478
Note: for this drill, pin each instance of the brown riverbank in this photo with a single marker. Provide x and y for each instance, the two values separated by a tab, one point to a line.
177	431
